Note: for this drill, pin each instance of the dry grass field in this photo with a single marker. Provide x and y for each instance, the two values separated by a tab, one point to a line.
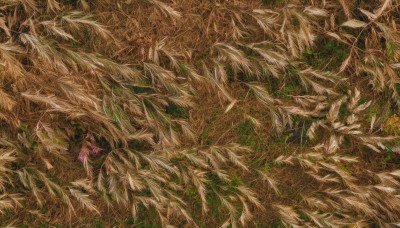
199	113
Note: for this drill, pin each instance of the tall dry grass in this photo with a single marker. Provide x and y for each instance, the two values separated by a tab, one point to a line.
89	93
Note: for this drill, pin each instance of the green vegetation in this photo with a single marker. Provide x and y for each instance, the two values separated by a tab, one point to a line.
327	54
248	136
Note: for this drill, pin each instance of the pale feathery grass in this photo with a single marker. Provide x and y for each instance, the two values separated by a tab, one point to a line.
85	126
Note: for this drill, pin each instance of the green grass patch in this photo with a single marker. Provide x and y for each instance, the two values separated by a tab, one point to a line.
326	54
248	136
289	89
177	112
